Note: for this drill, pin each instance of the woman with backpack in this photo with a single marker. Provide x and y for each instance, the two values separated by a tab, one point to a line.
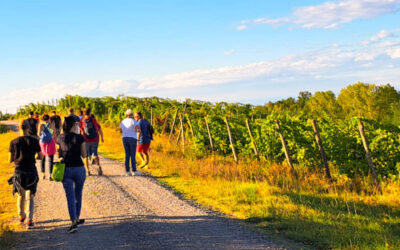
47	144
72	148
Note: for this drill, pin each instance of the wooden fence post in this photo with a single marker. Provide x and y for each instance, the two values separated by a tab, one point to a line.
151	116
165	122
287	153
209	135
231	140
190	125
252	140
173	125
181	117
321	148
368	153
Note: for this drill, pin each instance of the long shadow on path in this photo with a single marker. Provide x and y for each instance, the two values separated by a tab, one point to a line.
144	232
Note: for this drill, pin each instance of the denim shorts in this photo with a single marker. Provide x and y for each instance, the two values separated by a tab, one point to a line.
91	148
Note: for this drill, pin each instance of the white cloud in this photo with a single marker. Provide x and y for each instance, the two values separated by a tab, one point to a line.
377	62
331	15
242	27
48	92
116	86
395	53
383	34
229	52
312	65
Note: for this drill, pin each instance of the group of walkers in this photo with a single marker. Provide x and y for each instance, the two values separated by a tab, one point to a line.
78	140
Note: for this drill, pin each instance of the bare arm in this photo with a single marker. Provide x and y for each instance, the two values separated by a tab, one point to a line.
10	159
101	135
138	131
39	156
41	128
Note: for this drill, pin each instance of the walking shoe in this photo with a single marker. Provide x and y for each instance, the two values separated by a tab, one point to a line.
29	225
100	172
21	220
73	228
128	174
136	173
80	222
142	165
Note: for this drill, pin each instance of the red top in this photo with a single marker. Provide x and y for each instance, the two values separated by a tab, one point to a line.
95	124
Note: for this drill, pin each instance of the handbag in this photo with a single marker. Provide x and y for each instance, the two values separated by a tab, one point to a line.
58	171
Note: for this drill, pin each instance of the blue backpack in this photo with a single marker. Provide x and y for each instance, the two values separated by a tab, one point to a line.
45	135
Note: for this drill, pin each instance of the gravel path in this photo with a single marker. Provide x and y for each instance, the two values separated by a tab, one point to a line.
133	212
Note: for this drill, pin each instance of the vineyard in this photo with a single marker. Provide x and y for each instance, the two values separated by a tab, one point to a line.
242	159
249	132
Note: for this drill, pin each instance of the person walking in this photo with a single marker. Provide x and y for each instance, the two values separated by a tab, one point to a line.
72	149
80	114
48	136
22	152
129	129
77	119
56	120
144	138
37	116
91	131
31	124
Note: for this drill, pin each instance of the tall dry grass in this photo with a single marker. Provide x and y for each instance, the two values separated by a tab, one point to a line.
8	209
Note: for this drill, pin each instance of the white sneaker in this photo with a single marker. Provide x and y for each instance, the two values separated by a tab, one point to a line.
128	174
136	173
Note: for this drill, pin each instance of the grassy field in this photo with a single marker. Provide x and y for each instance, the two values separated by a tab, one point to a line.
344	215
8	208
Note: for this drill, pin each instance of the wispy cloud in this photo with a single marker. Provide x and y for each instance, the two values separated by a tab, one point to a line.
47	92
331	15
319	70
229	52
242	27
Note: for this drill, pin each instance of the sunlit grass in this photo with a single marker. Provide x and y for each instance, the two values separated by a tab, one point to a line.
8	209
343	214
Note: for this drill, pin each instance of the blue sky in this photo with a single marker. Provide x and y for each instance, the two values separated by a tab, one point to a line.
241	51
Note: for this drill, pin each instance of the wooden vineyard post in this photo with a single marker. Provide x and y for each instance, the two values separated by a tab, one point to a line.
180	134
321	148
231	140
252	140
209	135
151	116
181	117
190	125
287	153
173	125
368	153
165	123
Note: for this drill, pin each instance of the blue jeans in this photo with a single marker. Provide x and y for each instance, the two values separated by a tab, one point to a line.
74	178
130	152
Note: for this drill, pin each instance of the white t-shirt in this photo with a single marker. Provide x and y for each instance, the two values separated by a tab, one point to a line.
128	126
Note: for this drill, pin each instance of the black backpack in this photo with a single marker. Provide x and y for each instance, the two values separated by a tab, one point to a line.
89	129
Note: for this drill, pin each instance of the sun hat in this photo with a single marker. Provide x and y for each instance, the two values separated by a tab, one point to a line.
129	112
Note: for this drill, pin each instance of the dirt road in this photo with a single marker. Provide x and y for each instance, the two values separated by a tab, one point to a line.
133	212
